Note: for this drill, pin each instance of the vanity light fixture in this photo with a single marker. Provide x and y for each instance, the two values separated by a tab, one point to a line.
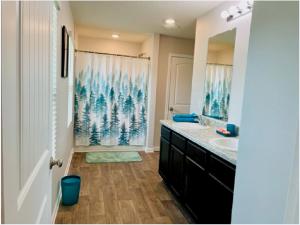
234	12
115	36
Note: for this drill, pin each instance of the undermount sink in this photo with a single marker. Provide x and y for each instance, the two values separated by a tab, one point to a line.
226	143
189	126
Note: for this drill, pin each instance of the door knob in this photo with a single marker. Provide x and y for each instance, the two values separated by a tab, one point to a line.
171	109
55	162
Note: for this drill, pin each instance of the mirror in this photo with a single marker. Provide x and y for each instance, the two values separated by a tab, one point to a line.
218	75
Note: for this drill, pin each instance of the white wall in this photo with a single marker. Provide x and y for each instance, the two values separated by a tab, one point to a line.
64	134
268	149
108	46
210	25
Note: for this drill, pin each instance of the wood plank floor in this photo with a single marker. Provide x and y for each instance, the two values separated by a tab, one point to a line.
121	193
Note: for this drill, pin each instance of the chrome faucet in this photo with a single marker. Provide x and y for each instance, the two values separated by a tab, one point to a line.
201	121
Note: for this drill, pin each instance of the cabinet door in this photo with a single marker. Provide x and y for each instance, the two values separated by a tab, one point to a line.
164	159
220	201
176	170
195	194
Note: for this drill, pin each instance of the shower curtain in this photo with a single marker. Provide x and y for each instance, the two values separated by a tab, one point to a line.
217	91
110	104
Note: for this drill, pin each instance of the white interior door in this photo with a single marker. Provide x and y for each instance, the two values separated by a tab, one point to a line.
181	72
25	112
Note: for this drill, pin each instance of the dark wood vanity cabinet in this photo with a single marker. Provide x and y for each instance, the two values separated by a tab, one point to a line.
202	181
176	170
164	159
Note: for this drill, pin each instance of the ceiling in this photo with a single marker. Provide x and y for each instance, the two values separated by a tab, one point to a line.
95	32
141	16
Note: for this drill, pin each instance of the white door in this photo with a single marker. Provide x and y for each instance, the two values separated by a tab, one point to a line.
26	195
180	84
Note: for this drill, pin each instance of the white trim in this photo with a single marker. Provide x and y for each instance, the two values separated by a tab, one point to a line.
110	148
156	148
152	91
171	55
56	207
149	149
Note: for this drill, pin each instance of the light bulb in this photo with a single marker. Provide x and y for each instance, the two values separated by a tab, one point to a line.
224	14
243	5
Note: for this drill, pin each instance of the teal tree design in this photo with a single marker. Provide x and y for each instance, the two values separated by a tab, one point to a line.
83	93
123	139
86	119
77	125
105	127
142	122
101	104
114	123
112	95
92	101
133	128
110	108
139	96
129	106
94	137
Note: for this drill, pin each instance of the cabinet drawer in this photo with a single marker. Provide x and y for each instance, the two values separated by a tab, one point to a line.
165	133
197	154
178	141
222	170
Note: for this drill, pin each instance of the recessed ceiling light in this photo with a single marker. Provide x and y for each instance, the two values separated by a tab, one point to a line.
170	21
115	35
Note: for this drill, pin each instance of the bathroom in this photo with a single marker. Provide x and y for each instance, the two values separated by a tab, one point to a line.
165	111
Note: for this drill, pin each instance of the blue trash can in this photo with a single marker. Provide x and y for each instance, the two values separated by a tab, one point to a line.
70	186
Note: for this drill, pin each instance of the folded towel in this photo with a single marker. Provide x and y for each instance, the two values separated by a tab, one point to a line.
191	120
192	115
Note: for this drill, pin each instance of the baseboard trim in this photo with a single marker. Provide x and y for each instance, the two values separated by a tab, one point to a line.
152	149
149	149
156	149
54	214
110	148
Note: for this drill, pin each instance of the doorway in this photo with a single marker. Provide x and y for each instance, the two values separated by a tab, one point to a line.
26	112
180	73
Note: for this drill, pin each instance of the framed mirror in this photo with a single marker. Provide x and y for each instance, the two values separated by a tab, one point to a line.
218	75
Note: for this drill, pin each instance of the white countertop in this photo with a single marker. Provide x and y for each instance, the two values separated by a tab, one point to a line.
202	137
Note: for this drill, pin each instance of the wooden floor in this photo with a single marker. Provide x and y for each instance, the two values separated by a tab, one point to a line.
121	193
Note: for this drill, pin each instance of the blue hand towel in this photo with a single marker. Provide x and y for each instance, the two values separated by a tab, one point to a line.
190	120
192	115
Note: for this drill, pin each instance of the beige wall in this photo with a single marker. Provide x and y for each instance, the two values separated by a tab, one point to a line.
167	45
64	132
108	46
220	57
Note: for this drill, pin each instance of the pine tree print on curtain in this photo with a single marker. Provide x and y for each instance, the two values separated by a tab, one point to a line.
110	103
217	91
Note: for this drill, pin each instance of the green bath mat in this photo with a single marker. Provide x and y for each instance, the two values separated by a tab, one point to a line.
104	157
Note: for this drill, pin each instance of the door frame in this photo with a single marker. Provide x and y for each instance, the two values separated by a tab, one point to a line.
167	99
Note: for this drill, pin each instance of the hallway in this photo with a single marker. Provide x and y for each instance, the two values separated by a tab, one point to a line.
121	193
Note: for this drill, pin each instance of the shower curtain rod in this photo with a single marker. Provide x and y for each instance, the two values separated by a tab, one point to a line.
219	64
103	53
